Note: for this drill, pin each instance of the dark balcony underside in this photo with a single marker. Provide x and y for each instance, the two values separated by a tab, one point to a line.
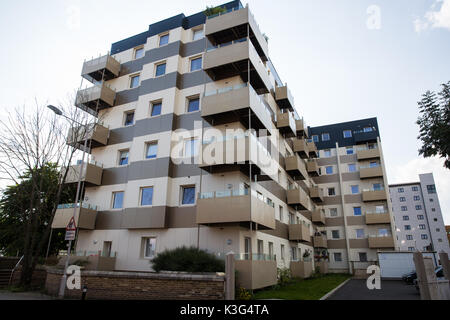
98	75
233	167
241	115
94	106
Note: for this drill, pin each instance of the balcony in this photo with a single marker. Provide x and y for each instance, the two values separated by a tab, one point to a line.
284	98
91	175
378	242
95	98
232	104
232	25
301	269
301	147
299	232
84	217
318	216
316	194
313	153
234	207
102	68
365	136
298	198
378	217
368	172
286	124
256	273
374	195
296	167
323	266
231	59
96	134
320	241
236	153
302	130
366	154
94	260
312	167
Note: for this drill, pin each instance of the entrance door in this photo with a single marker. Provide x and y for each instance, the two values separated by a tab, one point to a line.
107	248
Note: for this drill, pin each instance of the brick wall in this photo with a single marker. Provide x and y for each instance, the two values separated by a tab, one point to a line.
142	286
38	279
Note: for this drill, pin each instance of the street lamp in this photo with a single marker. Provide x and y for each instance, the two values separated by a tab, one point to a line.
58	112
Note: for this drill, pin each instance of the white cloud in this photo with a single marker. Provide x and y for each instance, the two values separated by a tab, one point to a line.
435	18
410	171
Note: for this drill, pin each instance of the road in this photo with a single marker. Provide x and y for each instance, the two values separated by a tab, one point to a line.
7	295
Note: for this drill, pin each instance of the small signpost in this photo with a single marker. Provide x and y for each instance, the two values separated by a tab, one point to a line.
71	230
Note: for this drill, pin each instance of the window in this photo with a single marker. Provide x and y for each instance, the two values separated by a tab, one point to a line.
118	200
188	195
129	119
335	234
198	34
431	200
163	39
138	53
382	232
315	138
347	133
438	230
405	218
357	211
147	196
281	214
337	256
291	218
424	236
134	81
422	227
404	208
282	252
160	69
362	256
407	227
377	187
271	250
196	64
416	198
331	192
156	109
355	189
294	253
329	170
123	157
418	207
410	248
359	233
260	248
193	104
374	164
431	189
191	148
402	199
352	167
433	209
380	209
368	129
152	150
349	150
415	188
333	212
325	137
400	190
149	247
409	237
327	153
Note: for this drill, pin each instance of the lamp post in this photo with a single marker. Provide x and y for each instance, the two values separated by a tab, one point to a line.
58	112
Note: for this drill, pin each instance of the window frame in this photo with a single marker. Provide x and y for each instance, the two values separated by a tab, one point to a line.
158	64
192	59
188	101
152	105
134	76
144	253
161	36
183	188
136	50
147	146
113	199
120	157
141	193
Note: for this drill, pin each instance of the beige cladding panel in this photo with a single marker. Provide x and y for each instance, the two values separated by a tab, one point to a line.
84	218
368	154
301	269
255	274
359	243
377	218
381	242
371	172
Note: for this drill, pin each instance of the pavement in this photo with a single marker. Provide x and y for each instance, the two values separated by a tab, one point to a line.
356	289
8	295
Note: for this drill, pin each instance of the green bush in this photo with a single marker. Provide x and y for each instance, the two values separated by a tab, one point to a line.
284	276
210	11
244	294
187	260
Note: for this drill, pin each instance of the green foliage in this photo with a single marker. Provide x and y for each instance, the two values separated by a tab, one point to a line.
210	11
434	123
244	294
284	276
187	260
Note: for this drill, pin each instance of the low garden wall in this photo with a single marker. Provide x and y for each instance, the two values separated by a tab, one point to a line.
37	281
103	285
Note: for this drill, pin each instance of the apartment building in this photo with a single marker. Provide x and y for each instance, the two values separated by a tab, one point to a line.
418	217
353	178
198	143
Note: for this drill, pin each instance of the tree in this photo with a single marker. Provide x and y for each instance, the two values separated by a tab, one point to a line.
434	123
33	149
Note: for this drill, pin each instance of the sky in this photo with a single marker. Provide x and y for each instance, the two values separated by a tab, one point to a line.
343	60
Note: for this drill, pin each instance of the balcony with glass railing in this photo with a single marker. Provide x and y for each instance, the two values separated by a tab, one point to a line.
318	216
233	24
85	216
232	59
96	134
299	232
378	217
379	241
320	241
220	208
302	129
300	146
312	148
256	271
312	167
316	193
233	103
370	171
295	166
298	198
374	194
286	124
284	98
102	68
96	98
365	153
366	135
91	175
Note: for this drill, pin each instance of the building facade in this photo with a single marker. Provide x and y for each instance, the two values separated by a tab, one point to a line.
418	216
198	143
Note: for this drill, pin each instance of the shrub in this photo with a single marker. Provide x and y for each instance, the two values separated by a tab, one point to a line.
187	260
284	276
244	294
210	11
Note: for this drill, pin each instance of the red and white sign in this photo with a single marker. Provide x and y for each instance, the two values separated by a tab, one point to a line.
71	230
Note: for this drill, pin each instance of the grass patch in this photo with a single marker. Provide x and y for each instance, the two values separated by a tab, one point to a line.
304	289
